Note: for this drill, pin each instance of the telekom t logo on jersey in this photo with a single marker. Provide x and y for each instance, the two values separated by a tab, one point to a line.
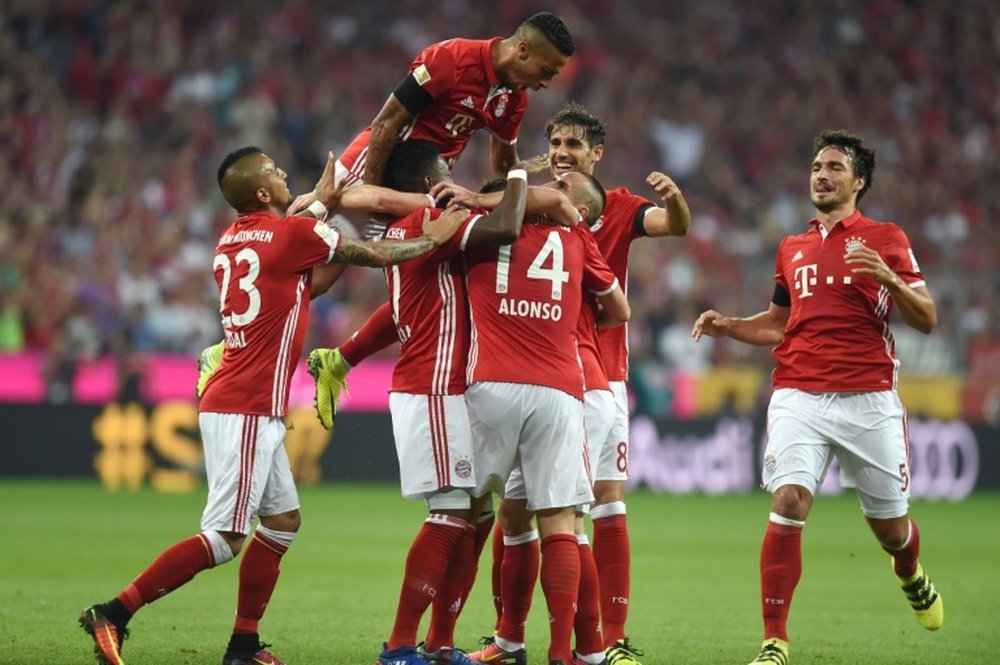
805	276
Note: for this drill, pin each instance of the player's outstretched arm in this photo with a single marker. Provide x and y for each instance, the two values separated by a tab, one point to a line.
540	201
763	329
674	218
382	253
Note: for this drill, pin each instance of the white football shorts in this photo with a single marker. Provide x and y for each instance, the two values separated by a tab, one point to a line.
612	451
865	430
247	468
536	427
433	443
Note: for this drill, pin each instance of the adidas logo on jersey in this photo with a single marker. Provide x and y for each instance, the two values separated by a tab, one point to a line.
797	257
467	102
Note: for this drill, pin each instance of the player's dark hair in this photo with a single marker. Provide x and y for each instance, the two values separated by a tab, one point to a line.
597	199
862	158
233	157
495	185
573	114
554	30
408	163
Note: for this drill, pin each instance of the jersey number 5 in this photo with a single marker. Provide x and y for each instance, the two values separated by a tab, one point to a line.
553	247
246	284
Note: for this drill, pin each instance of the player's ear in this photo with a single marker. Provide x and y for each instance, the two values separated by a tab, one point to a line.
598	152
263	195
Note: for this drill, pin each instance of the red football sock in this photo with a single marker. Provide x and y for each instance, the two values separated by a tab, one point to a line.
517	585
498	552
483	529
780	570
560	583
448	602
173	568
378	332
611	554
259	571
426	566
904	560
587	625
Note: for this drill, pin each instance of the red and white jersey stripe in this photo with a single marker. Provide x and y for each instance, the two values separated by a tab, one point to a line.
427	295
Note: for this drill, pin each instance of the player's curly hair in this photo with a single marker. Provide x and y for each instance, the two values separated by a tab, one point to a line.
408	163
554	30
862	158
574	114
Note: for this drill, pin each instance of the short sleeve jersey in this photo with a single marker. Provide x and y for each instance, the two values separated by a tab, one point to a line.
430	310
614	232
525	300
263	267
837	338
466	96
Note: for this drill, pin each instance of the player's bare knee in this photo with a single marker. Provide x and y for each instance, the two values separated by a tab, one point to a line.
791	501
514	516
608	491
892	533
288	522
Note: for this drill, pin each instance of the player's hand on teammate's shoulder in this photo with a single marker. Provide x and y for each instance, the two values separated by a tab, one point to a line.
450	193
444	227
534	165
709	323
663	185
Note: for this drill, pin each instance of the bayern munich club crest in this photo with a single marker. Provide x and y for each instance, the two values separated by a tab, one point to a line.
854	243
463	468
501	105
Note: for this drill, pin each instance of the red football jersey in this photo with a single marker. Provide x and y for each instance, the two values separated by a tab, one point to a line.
594	376
458	74
263	267
620	224
429	307
525	300
837	337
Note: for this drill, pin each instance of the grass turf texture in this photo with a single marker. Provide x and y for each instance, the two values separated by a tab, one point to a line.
694	597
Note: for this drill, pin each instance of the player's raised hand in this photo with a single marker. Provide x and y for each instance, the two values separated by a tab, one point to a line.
328	191
710	323
451	193
663	185
444	227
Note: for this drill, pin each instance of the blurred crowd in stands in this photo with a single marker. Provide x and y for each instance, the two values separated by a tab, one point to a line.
115	114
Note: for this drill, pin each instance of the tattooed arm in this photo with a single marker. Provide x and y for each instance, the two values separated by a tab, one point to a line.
380	254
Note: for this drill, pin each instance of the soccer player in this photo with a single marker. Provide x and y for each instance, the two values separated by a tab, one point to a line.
576	143
430	423
835	380
263	266
458	86
525	396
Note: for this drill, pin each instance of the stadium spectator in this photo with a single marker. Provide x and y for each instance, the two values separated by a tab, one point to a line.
86	88
835	381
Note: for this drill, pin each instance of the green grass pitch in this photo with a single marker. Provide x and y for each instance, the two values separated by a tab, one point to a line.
694	578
